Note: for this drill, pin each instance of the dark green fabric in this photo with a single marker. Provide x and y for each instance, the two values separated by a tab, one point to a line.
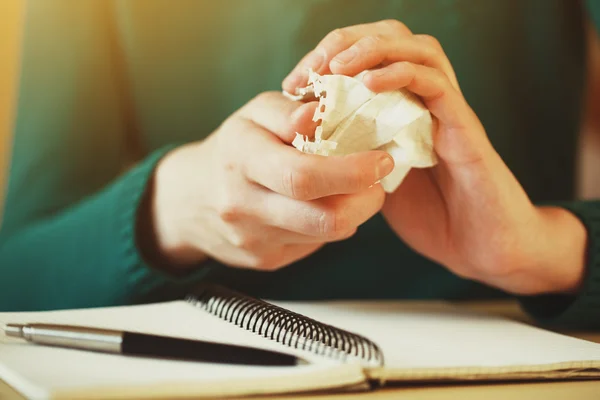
581	311
105	83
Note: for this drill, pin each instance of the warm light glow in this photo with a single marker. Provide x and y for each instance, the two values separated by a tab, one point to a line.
11	21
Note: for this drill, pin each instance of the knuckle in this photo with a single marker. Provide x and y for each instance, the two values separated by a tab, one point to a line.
254	261
431	40
269	265
231	210
267	262
333	223
350	233
432	57
264	97
230	213
442	81
396	26
245	241
332	40
371	42
259	98
298	183
231	126
336	35
431	53
345	235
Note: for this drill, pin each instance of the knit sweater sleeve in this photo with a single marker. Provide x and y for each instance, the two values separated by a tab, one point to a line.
583	310
86	255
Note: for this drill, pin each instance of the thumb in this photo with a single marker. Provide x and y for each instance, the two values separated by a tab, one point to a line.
322	176
301	120
353	172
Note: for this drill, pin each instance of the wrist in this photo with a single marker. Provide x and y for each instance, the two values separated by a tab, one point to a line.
164	247
561	244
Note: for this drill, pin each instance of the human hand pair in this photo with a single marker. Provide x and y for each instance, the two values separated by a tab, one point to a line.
247	198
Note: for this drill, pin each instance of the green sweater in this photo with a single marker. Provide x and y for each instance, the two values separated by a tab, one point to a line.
108	87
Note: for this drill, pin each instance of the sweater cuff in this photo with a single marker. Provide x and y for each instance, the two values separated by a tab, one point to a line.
581	311
142	277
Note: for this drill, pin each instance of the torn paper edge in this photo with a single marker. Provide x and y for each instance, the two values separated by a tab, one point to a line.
317	85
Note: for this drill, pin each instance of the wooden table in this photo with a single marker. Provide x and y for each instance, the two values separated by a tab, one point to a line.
577	390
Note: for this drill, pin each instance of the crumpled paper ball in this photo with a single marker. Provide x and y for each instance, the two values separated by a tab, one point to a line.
353	119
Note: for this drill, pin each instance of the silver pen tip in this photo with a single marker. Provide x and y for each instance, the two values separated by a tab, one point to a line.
13	330
302	361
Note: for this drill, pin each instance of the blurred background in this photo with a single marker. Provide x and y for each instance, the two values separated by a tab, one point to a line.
10	29
11	26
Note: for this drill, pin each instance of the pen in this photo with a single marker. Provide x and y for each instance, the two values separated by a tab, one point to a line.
140	344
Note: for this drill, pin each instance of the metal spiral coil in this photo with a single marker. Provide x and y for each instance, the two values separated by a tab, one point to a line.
285	326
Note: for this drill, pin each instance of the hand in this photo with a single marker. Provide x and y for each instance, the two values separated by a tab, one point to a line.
468	213
248	199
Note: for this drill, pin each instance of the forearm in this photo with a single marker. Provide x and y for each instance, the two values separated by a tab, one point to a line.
84	256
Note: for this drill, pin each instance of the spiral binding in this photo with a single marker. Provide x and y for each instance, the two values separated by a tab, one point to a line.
285	326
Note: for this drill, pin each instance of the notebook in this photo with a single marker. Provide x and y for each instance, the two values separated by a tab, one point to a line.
351	345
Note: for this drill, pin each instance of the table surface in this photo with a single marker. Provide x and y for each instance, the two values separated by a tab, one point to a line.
580	390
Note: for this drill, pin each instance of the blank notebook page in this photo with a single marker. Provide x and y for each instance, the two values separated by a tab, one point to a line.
40	370
439	335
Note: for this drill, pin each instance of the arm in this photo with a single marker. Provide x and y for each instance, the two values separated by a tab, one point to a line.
581	309
469	213
83	256
243	197
67	234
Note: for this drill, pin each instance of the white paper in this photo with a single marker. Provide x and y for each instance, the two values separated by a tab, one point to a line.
440	338
423	340
41	372
354	119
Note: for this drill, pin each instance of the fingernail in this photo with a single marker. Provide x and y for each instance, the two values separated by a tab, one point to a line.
298	76
346	57
384	167
294	81
315	60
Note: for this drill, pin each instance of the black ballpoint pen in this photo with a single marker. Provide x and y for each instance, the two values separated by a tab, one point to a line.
140	344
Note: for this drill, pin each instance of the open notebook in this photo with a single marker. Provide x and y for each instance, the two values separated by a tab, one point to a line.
362	342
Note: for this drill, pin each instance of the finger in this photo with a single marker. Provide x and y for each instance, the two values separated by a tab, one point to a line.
299	76
461	139
273	112
302	119
289	172
287	255
371	51
254	232
234	248
329	219
447	65
334	43
289	237
429	83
